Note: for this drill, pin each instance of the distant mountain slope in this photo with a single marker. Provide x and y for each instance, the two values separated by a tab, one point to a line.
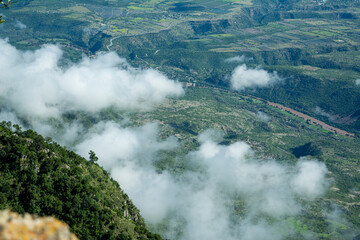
40	177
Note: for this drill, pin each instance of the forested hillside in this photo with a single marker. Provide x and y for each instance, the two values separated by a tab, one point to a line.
40	177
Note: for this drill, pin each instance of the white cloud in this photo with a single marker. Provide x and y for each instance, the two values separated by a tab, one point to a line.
116	144
244	77
154	194
20	25
310	179
239	59
262	230
210	134
321	112
262	116
9	116
128	153
197	201
34	85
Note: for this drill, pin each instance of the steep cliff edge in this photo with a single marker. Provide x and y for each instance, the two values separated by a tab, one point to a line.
38	176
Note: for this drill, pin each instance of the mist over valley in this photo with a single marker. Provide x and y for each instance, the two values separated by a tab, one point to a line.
173	100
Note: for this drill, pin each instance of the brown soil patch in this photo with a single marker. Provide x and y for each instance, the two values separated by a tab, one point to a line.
312	120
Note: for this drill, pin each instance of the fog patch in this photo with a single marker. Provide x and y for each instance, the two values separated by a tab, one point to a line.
19	25
336	218
116	144
321	112
210	134
238	59
9	116
262	116
250	78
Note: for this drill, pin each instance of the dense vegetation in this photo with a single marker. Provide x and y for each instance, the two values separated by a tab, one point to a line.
40	177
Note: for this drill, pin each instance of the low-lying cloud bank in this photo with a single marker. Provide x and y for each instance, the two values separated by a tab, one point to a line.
220	192
244	77
34	85
198	204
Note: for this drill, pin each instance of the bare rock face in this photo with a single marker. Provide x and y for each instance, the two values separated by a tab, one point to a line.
14	226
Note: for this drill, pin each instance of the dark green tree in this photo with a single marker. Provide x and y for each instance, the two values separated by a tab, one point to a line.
92	156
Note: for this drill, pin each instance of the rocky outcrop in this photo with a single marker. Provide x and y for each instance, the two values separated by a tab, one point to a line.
27	227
